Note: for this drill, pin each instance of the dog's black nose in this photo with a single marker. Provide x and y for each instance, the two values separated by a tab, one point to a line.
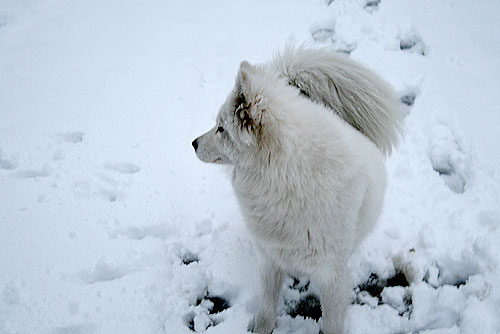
195	144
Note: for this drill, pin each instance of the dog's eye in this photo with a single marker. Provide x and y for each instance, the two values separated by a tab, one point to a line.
220	129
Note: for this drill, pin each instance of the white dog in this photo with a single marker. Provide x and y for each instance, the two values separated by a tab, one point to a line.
306	134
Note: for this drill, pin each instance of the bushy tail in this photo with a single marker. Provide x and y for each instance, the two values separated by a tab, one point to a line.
354	92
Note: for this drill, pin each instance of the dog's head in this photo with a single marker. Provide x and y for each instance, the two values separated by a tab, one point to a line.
242	120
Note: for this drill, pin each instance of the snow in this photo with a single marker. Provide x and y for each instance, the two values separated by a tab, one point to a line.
110	224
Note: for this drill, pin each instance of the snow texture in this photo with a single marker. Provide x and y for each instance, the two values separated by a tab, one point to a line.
110	224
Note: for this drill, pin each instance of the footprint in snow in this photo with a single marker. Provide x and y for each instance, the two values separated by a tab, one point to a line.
111	186
160	232
10	294
188	257
80	328
6	163
392	291
71	137
3	20
122	167
448	159
322	35
103	272
111	195
33	173
412	42
407	98
301	300
325	35
396	290
371	5
445	167
208	312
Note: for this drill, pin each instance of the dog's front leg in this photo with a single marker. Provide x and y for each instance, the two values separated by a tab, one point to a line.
271	281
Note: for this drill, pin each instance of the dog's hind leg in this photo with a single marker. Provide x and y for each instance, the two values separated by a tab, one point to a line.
334	290
271	281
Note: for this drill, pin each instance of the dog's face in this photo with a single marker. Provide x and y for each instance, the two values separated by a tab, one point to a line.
239	123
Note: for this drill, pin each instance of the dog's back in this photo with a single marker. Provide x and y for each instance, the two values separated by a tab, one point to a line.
355	93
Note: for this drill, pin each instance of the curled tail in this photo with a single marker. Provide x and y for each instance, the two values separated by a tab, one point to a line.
355	93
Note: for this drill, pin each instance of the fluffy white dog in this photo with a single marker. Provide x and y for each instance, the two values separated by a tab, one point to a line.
306	134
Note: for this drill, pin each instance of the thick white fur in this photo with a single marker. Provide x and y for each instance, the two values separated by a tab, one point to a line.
356	94
310	185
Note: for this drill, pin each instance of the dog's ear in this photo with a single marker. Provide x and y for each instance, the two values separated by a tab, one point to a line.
249	106
243	81
244	72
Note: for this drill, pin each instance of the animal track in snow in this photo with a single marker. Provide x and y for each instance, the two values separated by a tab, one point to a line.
140	233
112	186
6	163
109	194
71	137
307	306
411	42
397	290
300	300
187	257
451	271
33	173
80	328
109	183
3	20
122	167
448	159
325	35
10	294
447	171
371	5
393	291
322	35
408	98
103	272
207	312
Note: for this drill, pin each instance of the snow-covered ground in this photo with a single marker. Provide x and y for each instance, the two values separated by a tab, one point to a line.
110	224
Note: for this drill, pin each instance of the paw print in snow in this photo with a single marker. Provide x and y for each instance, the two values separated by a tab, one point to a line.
208	312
